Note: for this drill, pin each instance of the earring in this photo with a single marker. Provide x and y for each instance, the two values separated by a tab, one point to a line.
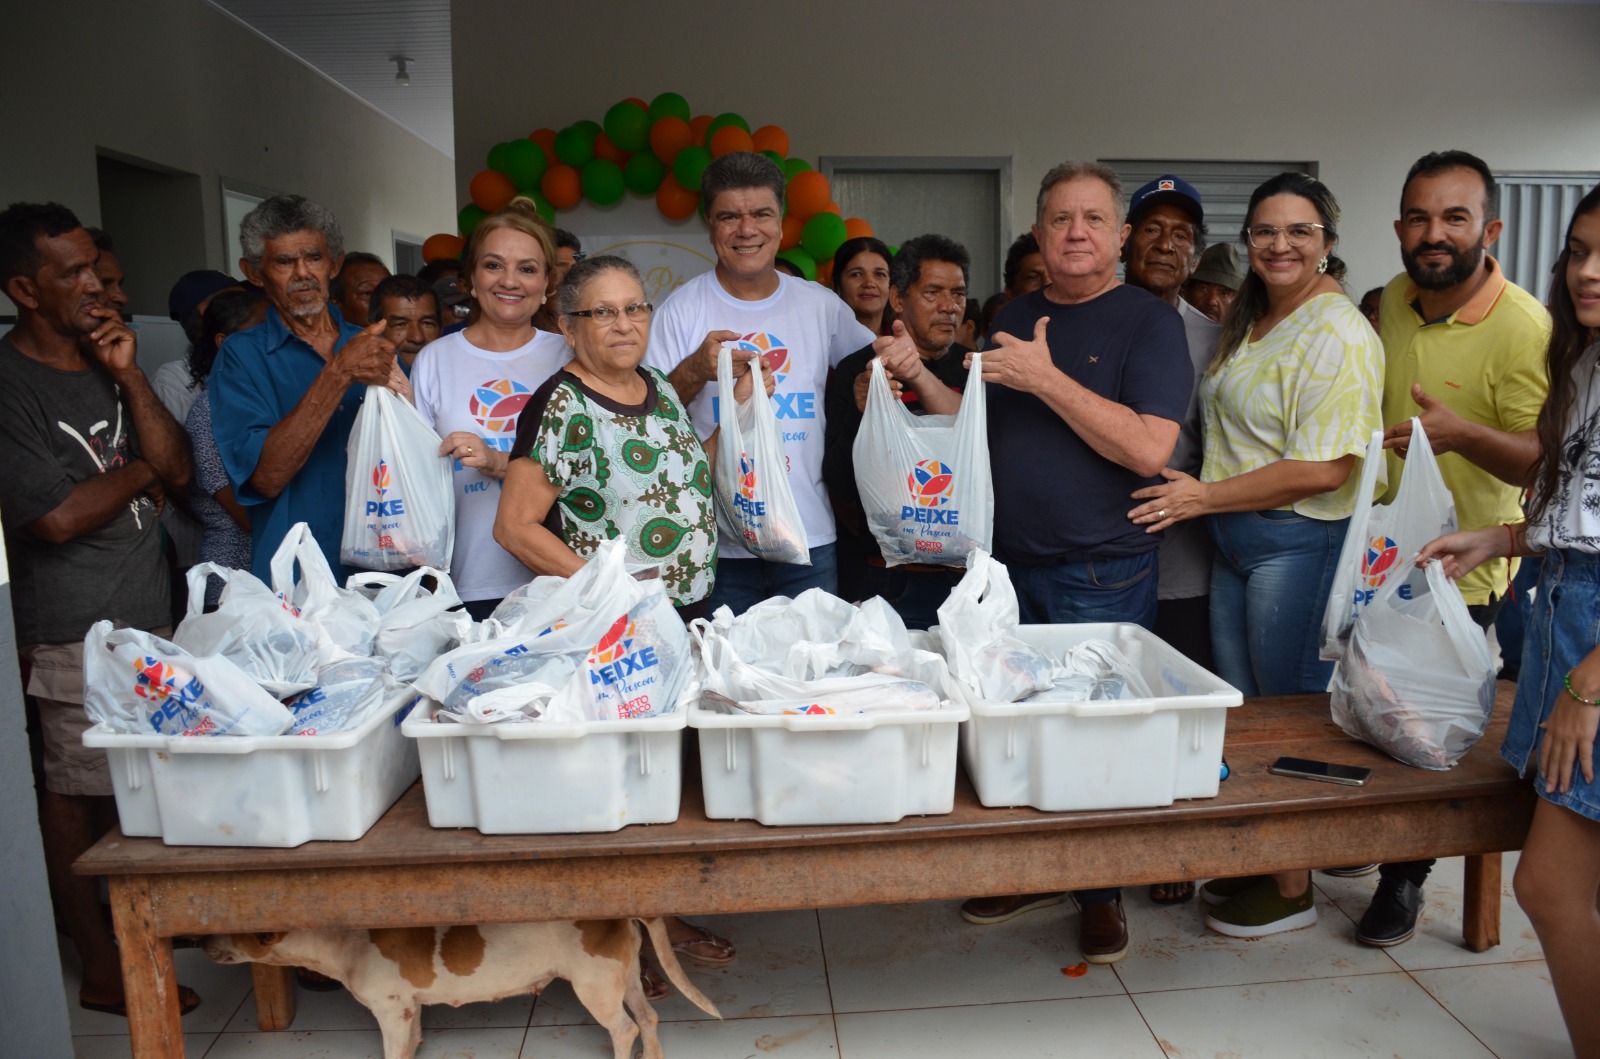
1322	266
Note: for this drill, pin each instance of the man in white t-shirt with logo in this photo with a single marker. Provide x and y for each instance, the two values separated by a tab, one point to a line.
801	329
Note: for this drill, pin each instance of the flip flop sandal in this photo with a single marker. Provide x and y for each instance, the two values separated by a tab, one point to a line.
188	1000
1177	893
655	988
720	952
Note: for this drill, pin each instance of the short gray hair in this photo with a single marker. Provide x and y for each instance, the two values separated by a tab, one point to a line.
282	215
586	271
1068	171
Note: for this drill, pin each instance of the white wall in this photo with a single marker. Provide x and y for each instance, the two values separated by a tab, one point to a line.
178	84
1360	87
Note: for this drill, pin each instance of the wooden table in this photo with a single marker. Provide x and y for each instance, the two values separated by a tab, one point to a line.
404	873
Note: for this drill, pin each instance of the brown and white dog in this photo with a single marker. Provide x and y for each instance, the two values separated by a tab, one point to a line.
394	972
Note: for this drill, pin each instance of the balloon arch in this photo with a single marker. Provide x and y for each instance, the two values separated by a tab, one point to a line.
655	150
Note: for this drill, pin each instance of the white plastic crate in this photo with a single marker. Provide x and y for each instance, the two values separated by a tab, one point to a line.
279	791
1117	754
545	778
869	768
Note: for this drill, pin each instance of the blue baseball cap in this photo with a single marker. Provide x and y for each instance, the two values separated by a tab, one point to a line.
1166	188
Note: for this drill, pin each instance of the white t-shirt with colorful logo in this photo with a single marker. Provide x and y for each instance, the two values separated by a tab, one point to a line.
461	387
803	330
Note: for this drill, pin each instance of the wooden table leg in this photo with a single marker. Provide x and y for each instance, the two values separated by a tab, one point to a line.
1481	902
275	996
149	980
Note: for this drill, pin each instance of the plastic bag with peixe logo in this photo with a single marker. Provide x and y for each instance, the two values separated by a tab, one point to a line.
750	478
400	501
628	648
1382	537
347	618
925	481
137	683
416	624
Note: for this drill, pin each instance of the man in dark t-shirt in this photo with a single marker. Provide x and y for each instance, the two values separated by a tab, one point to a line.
928	292
87	456
1088	381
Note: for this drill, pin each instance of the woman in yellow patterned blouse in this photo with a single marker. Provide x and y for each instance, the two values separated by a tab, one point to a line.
1288	405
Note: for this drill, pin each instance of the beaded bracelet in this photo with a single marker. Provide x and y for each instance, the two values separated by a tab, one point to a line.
1567	680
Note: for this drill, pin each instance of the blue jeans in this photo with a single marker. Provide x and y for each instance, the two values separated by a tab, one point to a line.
1120	589
915	595
1269	587
742	583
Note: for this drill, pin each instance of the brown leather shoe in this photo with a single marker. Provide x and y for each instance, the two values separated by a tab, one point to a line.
1103	932
988	910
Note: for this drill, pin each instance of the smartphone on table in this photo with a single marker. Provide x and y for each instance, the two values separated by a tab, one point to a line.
1326	771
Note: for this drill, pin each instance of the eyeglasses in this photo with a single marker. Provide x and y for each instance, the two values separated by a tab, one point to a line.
607	314
1262	236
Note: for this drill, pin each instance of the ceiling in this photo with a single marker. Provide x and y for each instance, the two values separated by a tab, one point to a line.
350	42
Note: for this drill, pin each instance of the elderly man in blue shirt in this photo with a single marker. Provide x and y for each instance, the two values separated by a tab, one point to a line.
284	394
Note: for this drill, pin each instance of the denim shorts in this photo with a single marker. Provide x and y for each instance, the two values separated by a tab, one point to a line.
1563	627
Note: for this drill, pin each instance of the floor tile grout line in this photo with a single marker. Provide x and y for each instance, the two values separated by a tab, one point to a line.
827	981
1268	981
1137	1010
1454	1018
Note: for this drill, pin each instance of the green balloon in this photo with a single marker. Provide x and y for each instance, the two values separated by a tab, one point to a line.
725	119
644	173
800	260
525	164
575	144
498	158
776	158
690	163
542	204
669	105
893	250
823	235
469	217
791	166
591	128
628	126
602	182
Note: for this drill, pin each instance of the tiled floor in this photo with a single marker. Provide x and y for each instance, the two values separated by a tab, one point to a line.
918	981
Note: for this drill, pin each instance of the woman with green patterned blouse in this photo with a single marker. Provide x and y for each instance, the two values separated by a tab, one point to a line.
611	450
1288	405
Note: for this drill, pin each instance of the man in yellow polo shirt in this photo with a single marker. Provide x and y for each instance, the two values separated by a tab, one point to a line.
1466	352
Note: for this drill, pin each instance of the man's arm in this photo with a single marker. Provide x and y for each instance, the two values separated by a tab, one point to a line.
368	358
1141	443
95	501
700	367
1509	456
163	442
899	354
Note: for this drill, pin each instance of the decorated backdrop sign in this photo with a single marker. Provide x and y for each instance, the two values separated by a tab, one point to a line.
665	264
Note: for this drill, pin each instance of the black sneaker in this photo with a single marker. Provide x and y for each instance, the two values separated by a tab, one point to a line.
1392	916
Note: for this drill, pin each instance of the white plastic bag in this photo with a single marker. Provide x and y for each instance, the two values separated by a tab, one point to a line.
348	618
136	683
400	500
750	480
252	628
347	693
415	625
976	622
925	481
1417	680
1382	537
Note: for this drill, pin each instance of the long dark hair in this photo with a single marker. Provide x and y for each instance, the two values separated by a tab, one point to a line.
228	312
1251	304
1568	339
864	244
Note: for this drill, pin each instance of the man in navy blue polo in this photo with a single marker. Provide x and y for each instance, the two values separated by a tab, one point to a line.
284	394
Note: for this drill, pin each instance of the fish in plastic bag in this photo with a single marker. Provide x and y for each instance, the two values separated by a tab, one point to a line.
975	632
347	694
527	700
415	625
1007	670
252	629
348	619
750	480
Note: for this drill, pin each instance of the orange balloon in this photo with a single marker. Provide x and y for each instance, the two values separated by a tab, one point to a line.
699	126
792	227
604	148
825	273
771	138
728	139
808	194
669	136
675	203
635	99
491	190
562	186
442	247
833	208
545	138
856	228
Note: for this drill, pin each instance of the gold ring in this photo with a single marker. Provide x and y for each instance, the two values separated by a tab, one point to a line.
1159	514
469	450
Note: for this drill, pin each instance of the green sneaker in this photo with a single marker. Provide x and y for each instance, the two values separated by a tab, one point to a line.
1262	910
1221	891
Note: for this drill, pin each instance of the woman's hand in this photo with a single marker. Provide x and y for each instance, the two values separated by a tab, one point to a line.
744	382
1464	551
1570	732
1182	498
472	451
864	382
399	385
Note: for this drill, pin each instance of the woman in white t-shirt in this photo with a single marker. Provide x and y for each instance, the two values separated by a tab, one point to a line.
471	386
1556	717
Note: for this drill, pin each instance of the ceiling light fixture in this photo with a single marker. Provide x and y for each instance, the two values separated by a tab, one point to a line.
400	77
